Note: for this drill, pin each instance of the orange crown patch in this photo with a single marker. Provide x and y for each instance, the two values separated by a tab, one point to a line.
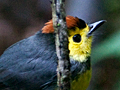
70	21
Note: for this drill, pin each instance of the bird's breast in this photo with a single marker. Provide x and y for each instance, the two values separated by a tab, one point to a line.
81	82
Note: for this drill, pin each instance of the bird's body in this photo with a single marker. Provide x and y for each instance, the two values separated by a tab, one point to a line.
31	63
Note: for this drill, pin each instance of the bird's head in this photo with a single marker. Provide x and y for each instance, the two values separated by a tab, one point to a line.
79	35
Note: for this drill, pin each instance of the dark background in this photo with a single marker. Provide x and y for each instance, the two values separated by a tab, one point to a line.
20	19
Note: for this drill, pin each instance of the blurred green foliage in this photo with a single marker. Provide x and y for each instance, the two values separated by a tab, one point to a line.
106	54
109	47
112	5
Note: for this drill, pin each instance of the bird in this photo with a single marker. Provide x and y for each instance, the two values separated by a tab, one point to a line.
31	63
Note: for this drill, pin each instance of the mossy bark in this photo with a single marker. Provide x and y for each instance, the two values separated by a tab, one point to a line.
60	28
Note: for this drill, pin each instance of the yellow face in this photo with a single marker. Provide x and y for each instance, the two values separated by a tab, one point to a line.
79	44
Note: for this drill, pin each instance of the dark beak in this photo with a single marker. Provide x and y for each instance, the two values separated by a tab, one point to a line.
94	26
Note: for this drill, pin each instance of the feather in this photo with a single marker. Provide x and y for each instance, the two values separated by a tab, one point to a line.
70	21
29	63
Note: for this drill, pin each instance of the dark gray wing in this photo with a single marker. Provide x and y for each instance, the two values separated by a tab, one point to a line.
29	63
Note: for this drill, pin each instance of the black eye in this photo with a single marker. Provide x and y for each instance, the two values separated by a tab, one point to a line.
77	38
